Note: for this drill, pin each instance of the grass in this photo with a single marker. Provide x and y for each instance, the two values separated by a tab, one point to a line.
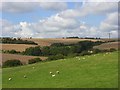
97	71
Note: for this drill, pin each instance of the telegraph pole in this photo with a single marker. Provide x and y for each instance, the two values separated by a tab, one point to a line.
109	35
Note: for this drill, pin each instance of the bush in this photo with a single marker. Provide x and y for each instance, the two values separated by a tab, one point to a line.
84	53
112	49
97	51
35	60
57	44
12	63
56	57
35	51
16	41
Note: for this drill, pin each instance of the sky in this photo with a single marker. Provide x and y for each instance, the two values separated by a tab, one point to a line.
59	19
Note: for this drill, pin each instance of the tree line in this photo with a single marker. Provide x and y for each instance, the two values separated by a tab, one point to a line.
8	40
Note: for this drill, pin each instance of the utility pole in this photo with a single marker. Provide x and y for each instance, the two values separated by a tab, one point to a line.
109	35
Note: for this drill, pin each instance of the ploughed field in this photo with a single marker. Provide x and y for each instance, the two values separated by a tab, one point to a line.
109	45
94	71
40	42
17	47
43	42
23	58
49	41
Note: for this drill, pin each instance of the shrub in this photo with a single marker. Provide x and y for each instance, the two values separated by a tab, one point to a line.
112	49
84	53
97	51
16	41
57	44
12	63
56	57
35	60
35	51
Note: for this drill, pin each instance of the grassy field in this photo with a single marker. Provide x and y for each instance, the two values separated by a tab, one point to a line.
95	71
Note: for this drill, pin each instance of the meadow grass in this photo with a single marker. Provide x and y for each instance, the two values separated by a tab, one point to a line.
95	71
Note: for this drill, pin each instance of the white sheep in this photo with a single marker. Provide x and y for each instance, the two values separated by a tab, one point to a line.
25	76
83	58
57	72
10	79
50	72
53	75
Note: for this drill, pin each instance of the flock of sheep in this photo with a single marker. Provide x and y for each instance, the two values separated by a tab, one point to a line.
57	72
51	73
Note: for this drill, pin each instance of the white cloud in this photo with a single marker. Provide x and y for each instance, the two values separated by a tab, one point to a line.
8	28
90	8
25	7
53	5
66	23
19	7
110	23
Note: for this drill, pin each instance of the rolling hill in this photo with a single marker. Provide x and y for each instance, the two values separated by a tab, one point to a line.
23	58
95	71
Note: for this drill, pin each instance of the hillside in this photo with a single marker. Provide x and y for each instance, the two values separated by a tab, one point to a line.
95	71
49	41
109	45
23	58
41	42
17	47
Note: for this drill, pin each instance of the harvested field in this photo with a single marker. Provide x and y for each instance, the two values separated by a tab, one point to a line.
108	45
17	47
41	42
49	41
23	58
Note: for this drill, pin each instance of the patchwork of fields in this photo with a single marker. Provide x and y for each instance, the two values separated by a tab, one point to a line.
23	58
95	71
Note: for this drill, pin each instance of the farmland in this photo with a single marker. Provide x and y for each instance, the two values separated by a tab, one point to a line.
24	59
40	42
95	71
46	42
17	47
49	41
109	45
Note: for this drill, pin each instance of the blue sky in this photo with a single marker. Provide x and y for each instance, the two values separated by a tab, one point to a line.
58	19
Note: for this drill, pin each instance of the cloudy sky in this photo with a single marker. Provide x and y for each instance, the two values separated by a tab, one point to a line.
59	19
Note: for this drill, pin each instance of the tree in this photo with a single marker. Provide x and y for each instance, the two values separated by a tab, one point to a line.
35	60
12	63
35	51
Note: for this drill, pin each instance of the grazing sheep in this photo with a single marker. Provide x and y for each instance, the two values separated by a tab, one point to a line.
25	76
57	72
83	58
106	53
10	79
53	75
